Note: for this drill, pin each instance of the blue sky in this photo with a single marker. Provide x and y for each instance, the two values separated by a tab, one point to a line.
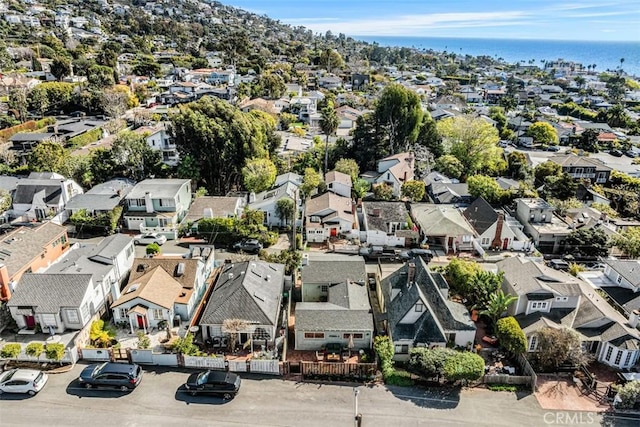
521	19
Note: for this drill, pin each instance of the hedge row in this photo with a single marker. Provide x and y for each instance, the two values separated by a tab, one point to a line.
84	139
29	126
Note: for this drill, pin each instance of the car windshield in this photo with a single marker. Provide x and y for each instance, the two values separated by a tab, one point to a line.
202	378
99	369
9	375
38	378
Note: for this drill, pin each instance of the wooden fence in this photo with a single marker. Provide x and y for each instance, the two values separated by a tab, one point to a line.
527	370
359	371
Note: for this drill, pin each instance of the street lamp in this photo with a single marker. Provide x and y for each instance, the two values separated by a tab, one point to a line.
357	418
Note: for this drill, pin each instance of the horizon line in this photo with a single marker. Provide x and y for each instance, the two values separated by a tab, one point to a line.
492	38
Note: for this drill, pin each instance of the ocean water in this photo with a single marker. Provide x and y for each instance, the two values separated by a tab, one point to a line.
606	55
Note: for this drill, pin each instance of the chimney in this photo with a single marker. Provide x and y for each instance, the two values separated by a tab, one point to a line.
497	239
5	291
411	274
147	202
634	318
115	291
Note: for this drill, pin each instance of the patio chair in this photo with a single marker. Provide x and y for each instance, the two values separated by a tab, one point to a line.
319	356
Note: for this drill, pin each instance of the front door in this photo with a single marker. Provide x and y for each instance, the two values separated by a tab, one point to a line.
505	244
141	322
30	321
334	232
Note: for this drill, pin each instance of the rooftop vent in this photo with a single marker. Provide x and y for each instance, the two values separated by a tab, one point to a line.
133	288
180	269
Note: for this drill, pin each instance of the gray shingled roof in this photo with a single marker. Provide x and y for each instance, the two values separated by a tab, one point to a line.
93	202
220	207
19	247
250	290
629	269
388	212
480	215
47	293
27	188
333	268
159	188
527	277
440	314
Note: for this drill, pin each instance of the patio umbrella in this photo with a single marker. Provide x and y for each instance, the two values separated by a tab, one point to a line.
351	344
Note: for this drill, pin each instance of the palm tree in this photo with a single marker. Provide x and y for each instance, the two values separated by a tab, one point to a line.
328	124
498	304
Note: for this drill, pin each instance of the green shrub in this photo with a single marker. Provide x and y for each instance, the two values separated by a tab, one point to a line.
502	387
54	351
85	139
144	342
34	349
510	335
152	249
399	378
30	126
464	366
385	350
429	362
11	351
629	394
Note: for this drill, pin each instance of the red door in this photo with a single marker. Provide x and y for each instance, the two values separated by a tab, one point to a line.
140	322
505	244
334	232
30	321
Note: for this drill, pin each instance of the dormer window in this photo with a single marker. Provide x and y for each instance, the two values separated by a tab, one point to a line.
419	307
314	219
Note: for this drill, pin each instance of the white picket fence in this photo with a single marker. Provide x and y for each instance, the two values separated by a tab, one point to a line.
204	362
96	354
265	366
148	357
70	356
237	365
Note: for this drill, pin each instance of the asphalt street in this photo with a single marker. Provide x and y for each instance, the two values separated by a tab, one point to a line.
265	401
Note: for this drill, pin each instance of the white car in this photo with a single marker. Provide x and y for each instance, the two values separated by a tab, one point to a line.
27	381
149	238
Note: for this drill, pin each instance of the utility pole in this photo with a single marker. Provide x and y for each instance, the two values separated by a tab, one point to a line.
357	418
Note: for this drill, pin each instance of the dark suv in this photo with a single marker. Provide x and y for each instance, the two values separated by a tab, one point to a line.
124	376
219	383
248	245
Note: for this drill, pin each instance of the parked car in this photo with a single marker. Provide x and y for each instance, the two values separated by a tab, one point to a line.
149	238
553	148
426	254
123	376
380	253
616	153
248	245
559	264
27	381
631	153
219	383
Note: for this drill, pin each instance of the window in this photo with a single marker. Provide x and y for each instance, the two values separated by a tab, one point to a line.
544	217
85	311
136	202
314	218
157	313
627	359
324	288
619	279
122	313
533	343
562	299
485	241
402	349
609	351
129	251
314	335
539	305
419	307
618	357
466	239
167	203
356	336
72	315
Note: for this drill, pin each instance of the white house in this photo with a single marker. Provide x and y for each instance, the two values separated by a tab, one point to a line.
339	183
552	298
159	139
329	215
394	171
387	224
267	202
44	195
